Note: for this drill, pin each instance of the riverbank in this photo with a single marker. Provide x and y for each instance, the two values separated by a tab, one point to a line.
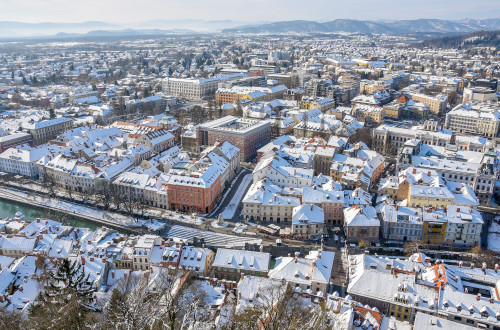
72	210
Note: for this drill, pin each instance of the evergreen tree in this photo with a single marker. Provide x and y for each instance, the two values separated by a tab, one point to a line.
64	303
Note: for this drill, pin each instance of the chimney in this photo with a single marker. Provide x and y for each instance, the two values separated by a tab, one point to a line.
113	274
261	249
478	296
458	209
429	173
20	288
83	261
414	171
484	268
492	300
296	259
37	220
471	265
397	207
92	259
311	207
151	269
497	267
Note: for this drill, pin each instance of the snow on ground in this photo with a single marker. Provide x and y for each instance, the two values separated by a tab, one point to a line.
75	208
191	219
240	228
494	237
211	238
231	208
221	199
216	225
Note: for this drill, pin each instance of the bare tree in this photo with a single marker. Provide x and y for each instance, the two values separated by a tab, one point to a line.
362	135
161	300
278	309
11	320
103	194
49	182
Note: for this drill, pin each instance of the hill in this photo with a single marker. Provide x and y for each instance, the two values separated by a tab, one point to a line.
381	27
476	39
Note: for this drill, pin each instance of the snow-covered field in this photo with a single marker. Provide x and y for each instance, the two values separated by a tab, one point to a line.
494	237
230	209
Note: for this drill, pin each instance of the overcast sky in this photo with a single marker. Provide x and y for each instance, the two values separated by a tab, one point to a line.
123	11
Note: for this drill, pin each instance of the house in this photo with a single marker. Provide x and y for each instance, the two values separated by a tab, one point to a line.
308	220
361	223
232	264
310	274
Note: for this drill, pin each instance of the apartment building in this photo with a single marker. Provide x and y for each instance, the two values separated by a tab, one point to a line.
22	161
158	140
254	94
400	223
387	137
361	223
323	104
248	135
13	140
331	202
231	264
311	273
478	170
264	202
46	130
323	158
368	113
481	94
464	226
437	104
143	251
476	118
195	89
197	191
308	221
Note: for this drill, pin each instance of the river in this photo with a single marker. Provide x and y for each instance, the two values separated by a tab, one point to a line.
8	209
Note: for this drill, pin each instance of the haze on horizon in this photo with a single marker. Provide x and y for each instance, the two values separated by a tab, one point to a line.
130	11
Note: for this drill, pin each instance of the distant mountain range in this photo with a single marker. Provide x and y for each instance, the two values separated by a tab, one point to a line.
379	27
18	30
475	39
11	29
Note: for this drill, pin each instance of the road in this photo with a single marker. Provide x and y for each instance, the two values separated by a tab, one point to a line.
229	196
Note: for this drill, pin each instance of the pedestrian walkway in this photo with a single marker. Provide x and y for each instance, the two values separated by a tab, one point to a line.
211	238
